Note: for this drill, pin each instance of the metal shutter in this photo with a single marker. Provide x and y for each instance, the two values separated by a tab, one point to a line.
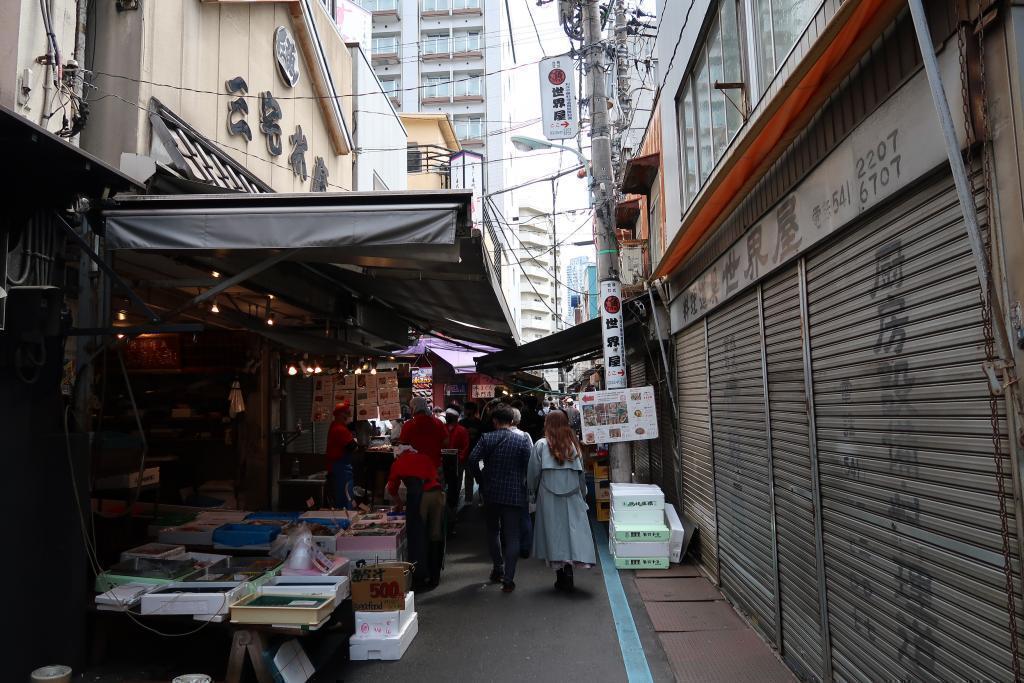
802	646
745	541
641	451
299	410
695	443
912	542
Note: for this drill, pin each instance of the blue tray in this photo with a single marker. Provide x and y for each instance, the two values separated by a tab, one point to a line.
282	516
238	535
340	524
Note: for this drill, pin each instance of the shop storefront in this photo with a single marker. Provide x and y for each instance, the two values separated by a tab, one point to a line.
841	452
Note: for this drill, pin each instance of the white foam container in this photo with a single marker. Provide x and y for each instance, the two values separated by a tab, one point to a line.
385	624
160	602
628	497
385	649
638	549
675	525
336	591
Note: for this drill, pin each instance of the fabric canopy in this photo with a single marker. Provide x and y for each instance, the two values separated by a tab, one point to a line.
461	358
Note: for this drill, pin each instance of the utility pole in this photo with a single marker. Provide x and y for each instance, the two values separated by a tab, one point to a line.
605	239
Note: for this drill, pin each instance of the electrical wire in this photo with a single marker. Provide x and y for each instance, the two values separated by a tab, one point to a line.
540	43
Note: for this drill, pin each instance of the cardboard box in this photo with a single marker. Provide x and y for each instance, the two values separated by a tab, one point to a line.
638	532
380	587
641	563
150	476
386	649
602	490
387	396
385	624
366	381
637	496
390	412
600	471
366	411
638	548
345	395
387	379
603	511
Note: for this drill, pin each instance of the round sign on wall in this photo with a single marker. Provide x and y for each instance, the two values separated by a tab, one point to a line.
611	304
287	56
556	77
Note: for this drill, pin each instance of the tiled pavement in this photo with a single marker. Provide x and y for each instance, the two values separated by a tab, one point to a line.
703	637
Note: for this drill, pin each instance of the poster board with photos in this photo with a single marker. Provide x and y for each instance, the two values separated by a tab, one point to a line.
618	415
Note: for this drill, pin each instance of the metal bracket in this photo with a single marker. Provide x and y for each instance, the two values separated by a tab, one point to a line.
995	371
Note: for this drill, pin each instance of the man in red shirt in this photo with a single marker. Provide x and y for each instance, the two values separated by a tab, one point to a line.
458	440
424	432
340	445
425	523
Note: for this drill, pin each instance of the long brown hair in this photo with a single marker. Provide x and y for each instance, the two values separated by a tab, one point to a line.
562	441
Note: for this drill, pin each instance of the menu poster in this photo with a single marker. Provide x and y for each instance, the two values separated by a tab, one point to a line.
323	398
423	382
618	415
483	390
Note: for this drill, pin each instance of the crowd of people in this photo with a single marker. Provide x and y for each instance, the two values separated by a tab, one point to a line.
521	461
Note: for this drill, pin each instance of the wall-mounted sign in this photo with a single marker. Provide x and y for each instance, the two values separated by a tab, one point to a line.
270	115
319	182
618	415
483	390
297	159
558	99
614	341
287	56
238	108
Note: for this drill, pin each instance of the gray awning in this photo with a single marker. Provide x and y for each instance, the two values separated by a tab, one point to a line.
328	227
409	253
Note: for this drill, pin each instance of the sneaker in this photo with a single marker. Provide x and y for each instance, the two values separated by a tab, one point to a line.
496	575
508	586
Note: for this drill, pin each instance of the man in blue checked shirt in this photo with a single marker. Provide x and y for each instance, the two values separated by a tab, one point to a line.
501	458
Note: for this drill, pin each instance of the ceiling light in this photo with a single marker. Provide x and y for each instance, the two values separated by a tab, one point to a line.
120	336
270	296
270	320
292	370
373	371
215	274
317	369
214	308
358	371
122	315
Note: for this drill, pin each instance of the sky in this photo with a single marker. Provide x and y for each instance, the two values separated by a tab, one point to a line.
571	191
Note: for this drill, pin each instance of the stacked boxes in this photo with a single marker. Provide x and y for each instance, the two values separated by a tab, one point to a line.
638	537
385	612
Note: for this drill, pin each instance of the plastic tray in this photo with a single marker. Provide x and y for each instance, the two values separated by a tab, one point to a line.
238	535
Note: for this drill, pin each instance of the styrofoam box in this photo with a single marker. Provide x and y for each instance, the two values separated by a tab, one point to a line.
386	649
193	533
675	525
336	591
637	496
166	599
328	514
638	516
385	624
641	549
638	532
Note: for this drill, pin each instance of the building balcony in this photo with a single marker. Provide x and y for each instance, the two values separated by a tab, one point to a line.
395	100
429	167
436	100
468	54
468	11
472	142
435	56
469	98
386	55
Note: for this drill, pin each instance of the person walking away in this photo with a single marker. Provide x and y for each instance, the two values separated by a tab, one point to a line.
501	458
341	445
424	514
475	429
573	414
458	440
525	521
424	432
555	478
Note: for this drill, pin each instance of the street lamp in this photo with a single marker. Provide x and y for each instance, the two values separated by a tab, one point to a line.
528	144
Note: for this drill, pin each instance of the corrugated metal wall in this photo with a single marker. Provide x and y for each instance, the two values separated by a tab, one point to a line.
795	497
912	543
298	408
746	544
698	502
641	449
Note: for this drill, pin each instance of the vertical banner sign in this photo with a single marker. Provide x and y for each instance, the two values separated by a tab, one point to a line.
423	382
612	334
558	98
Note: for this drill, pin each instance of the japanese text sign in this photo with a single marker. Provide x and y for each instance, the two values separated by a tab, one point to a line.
618	415
558	98
613	337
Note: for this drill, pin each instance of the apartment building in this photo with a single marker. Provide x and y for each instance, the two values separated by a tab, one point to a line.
536	276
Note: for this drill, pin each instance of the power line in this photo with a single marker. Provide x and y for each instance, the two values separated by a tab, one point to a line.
540	43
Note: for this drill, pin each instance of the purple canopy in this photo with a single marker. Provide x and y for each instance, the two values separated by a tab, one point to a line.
460	356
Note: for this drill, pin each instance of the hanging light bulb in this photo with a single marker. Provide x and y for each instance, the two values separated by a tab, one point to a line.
358	371
122	315
214	308
270	320
215	274
292	370
120	336
317	369
373	371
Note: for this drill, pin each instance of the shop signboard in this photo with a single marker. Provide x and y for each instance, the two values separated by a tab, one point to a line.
558	98
612	337
455	389
380	587
423	382
354	23
618	415
323	398
484	390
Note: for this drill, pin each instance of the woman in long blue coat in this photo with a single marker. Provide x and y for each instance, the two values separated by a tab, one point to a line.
555	479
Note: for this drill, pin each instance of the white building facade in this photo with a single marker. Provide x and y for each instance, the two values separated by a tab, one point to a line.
537	304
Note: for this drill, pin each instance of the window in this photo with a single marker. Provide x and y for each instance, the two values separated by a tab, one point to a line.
471	128
390	87
466	4
654	218
437	86
379	5
467	42
467	85
384	45
435	44
435	5
414	159
779	24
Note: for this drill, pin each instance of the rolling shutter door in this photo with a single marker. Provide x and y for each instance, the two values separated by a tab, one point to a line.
641	451
695	443
910	510
299	410
745	542
802	647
